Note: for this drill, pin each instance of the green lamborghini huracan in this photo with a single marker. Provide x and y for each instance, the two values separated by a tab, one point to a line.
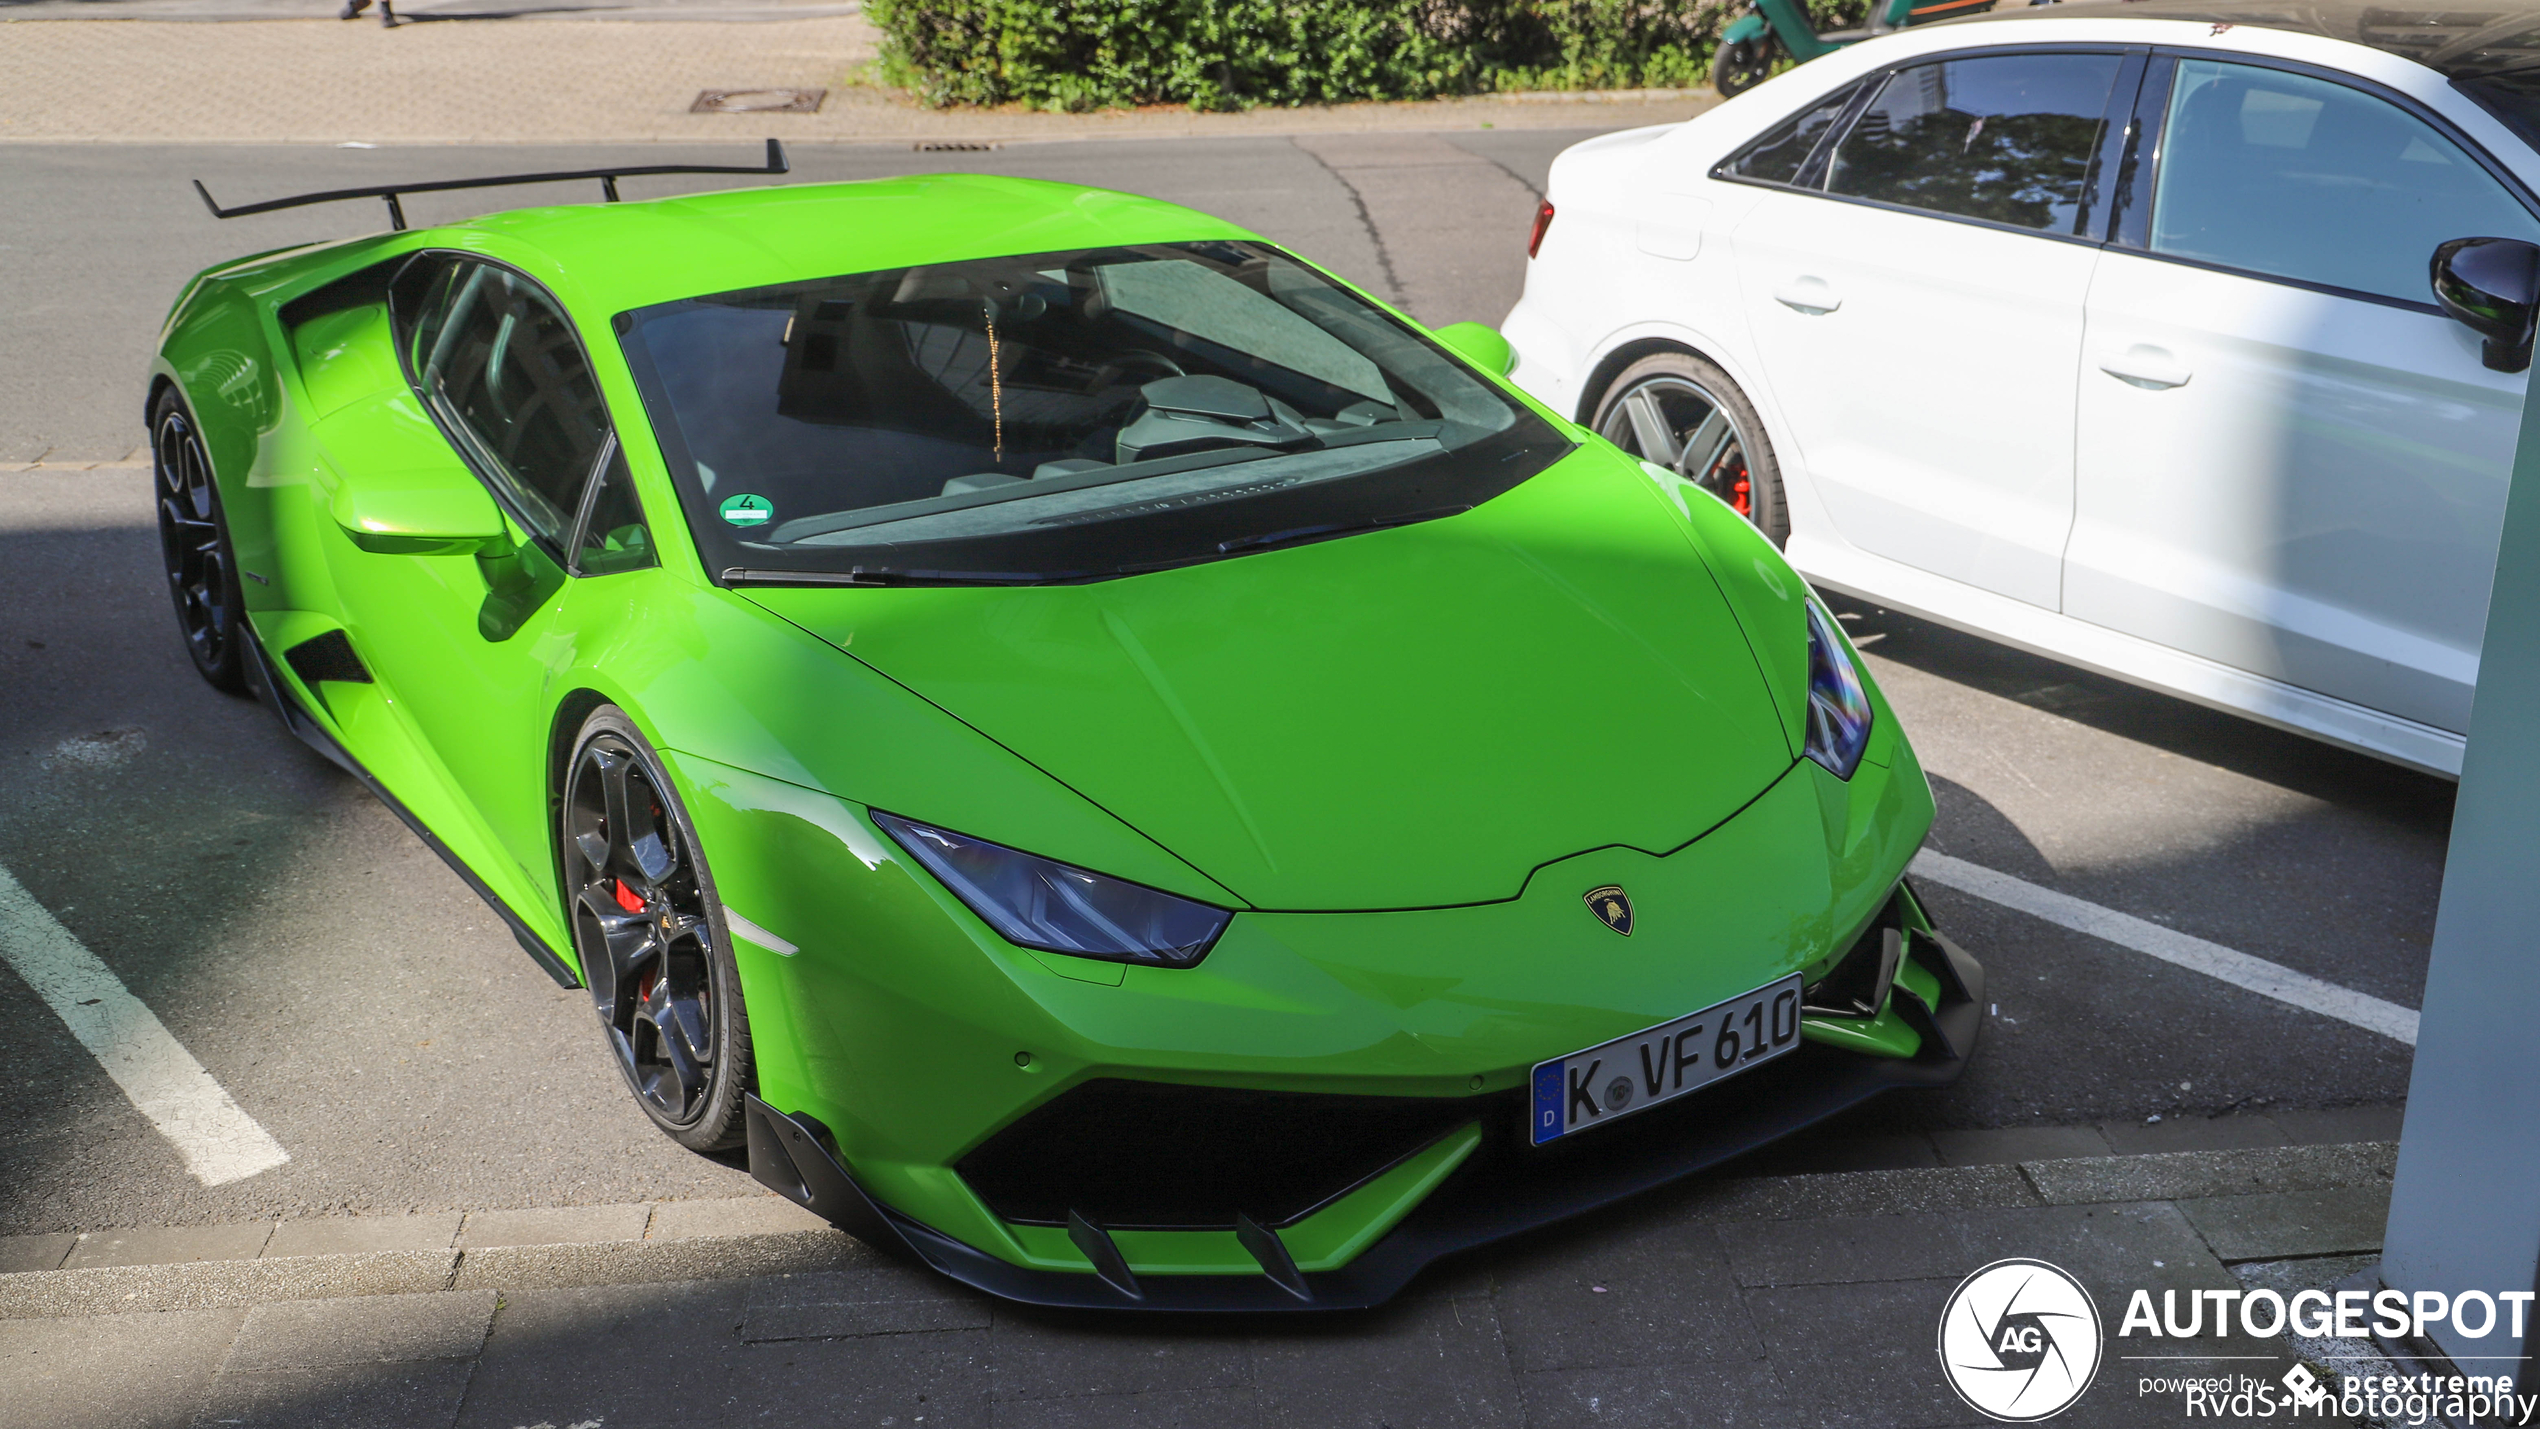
1105	756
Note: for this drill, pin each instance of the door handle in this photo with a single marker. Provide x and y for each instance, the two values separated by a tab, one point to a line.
1812	296
2154	369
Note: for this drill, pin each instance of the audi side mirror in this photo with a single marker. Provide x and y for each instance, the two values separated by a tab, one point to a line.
2492	287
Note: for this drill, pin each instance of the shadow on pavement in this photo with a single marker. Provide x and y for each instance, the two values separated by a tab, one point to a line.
2360	782
345	989
362	1005
1660	1313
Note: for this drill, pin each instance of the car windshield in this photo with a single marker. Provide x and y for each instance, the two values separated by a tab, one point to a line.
1060	416
2513	96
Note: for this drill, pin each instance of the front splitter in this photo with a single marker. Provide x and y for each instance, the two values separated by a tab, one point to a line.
1505	1188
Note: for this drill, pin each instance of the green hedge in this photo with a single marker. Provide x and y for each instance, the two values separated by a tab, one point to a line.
1234	54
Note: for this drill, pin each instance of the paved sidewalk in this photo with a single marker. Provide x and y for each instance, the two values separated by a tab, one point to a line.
427	11
606	75
1807	1299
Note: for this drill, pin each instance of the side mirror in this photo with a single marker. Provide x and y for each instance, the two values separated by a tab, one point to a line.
399	488
440	510
1479	346
2492	287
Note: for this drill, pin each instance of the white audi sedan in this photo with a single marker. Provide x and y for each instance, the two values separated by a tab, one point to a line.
2116	332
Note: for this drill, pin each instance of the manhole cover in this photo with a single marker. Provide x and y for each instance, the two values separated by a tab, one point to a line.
955	146
758	101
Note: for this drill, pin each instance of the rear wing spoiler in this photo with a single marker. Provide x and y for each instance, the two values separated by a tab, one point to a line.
776	164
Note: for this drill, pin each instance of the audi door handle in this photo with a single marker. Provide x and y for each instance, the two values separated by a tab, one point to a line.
2151	368
1812	296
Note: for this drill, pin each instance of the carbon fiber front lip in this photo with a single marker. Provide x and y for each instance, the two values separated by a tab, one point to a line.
1502	1191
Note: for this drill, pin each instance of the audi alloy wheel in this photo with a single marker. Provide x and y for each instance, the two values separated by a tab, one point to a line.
1682	412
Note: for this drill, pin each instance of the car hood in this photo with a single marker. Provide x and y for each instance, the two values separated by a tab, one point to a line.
1409	717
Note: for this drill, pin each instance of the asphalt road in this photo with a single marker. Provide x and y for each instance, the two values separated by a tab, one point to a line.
361	1005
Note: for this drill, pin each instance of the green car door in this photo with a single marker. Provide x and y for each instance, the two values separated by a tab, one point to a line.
461	606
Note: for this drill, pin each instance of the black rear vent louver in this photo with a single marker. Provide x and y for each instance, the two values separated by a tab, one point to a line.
327	657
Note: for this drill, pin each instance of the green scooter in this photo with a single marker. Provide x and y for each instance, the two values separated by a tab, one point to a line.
1756	41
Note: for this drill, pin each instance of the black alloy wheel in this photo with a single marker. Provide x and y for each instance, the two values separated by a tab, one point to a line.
194	547
1742	65
651	943
1682	412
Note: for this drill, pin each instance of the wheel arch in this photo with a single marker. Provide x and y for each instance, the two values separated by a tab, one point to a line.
1644	340
1610	364
571	711
1592	387
161	384
218	355
166	383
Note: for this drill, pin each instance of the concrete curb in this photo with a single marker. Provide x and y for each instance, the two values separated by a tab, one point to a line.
221	1266
560	1267
218	1284
2193	1175
208	1267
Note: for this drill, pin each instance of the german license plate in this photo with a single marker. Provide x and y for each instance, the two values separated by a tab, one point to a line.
1669	1060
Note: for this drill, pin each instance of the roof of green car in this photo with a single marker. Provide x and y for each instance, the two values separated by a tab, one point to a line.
631	255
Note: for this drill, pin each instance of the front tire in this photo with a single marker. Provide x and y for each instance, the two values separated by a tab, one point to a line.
649	932
1682	412
194	548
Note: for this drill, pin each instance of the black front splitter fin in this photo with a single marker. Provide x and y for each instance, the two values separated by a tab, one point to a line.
309	732
1502	1191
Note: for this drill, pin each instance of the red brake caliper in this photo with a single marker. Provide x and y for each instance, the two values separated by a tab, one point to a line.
627	900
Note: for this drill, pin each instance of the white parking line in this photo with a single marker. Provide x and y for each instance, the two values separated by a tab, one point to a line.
219	1142
2171	946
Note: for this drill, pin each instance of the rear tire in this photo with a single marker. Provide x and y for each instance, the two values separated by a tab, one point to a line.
1682	412
201	566
649	932
1740	66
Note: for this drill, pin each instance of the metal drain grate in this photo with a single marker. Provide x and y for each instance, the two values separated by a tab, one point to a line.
954	146
758	101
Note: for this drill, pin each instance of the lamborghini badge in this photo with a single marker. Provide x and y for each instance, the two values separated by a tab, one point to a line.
1613	905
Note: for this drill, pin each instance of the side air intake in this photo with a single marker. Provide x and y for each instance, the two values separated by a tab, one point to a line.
326	657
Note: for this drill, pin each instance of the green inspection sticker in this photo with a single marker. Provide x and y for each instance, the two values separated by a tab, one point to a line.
747	510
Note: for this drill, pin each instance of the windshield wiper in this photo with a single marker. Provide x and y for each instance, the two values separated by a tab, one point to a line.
886	576
1334	528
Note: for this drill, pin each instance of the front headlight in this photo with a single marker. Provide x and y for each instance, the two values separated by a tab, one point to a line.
1838	708
1035	902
